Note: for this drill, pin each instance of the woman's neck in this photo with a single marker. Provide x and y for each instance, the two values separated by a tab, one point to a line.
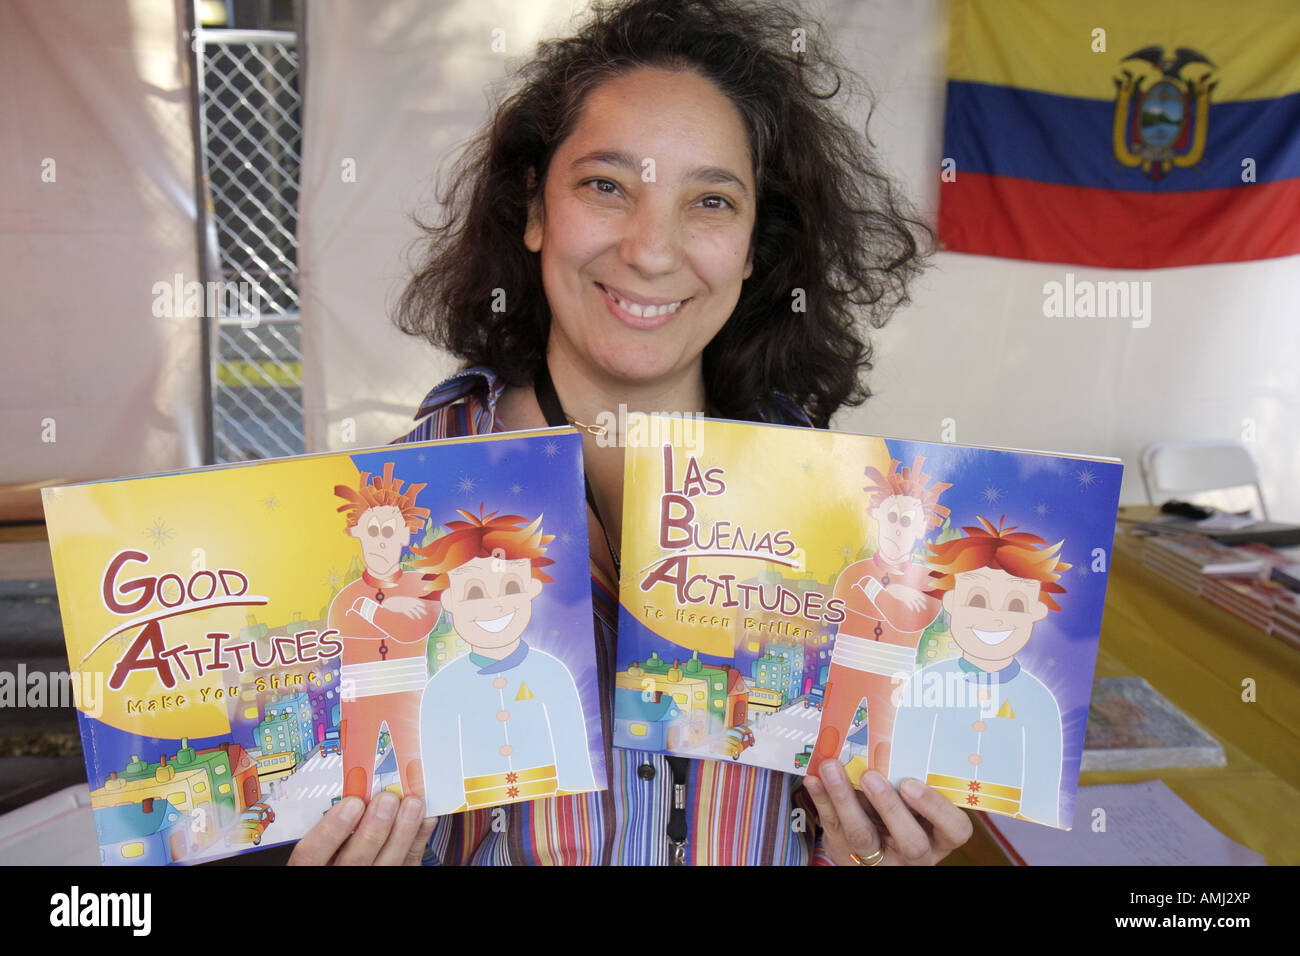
593	399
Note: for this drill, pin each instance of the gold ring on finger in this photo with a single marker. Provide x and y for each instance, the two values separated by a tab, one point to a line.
871	860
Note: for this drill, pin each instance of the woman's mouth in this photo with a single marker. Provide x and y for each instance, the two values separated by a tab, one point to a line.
641	315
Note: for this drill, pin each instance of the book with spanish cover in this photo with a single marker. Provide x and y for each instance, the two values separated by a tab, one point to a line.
1132	727
790	596
251	643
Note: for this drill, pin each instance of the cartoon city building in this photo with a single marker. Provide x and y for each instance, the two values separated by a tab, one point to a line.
690	693
445	645
299	705
234	773
819	686
281	733
737	704
185	790
792	653
715	689
244	713
772	673
152	832
642	718
253	631
322	692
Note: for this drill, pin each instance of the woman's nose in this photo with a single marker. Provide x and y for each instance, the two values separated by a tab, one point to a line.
653	241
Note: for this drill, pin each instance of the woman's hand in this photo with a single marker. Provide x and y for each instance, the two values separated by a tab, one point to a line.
390	834
880	818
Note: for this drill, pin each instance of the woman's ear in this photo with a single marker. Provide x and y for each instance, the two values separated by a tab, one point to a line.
536	217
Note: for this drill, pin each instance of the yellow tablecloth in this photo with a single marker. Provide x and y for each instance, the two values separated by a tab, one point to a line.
1201	657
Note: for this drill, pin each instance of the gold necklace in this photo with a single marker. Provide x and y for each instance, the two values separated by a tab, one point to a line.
599	431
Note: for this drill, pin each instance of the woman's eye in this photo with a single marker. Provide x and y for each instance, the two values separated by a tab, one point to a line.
725	203
599	185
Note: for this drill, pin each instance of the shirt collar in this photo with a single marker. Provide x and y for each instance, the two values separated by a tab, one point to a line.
487	665
459	384
989	677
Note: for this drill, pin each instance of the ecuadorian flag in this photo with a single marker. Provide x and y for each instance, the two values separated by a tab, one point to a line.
1121	134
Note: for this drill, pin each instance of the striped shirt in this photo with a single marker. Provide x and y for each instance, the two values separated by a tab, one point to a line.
736	815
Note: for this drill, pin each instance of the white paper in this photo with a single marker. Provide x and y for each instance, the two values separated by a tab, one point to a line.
1126	824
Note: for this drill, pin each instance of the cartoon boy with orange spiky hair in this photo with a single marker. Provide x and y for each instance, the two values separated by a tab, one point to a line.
979	728
504	722
887	608
383	618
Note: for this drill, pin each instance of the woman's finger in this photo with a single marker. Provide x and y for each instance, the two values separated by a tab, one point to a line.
371	835
321	842
859	833
950	825
912	843
826	815
410	814
415	855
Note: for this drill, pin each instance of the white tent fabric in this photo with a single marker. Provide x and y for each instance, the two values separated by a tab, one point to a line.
396	85
392	88
96	206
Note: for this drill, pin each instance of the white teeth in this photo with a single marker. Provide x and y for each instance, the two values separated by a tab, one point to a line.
992	637
645	311
496	625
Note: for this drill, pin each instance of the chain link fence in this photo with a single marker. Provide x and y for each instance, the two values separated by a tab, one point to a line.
251	142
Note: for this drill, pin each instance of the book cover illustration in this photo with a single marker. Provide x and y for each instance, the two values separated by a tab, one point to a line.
251	643
792	595
1132	727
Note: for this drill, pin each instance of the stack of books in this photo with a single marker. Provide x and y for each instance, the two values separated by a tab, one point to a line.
1283	564
1189	559
1285	624
1251	599
1256	582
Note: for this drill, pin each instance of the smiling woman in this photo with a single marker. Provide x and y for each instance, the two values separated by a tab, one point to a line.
665	214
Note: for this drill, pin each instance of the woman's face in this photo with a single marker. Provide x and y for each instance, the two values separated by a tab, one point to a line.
645	234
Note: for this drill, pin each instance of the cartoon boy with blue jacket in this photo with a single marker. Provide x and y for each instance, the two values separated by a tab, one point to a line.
504	722
979	728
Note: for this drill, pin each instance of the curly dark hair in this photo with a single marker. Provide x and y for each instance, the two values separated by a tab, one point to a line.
829	220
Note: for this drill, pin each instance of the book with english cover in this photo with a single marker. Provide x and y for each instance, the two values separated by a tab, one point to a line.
251	643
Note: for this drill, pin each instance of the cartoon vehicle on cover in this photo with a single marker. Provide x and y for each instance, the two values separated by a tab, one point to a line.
737	740
251	824
801	759
330	745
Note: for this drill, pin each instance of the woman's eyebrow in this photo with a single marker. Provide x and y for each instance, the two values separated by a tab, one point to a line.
716	175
